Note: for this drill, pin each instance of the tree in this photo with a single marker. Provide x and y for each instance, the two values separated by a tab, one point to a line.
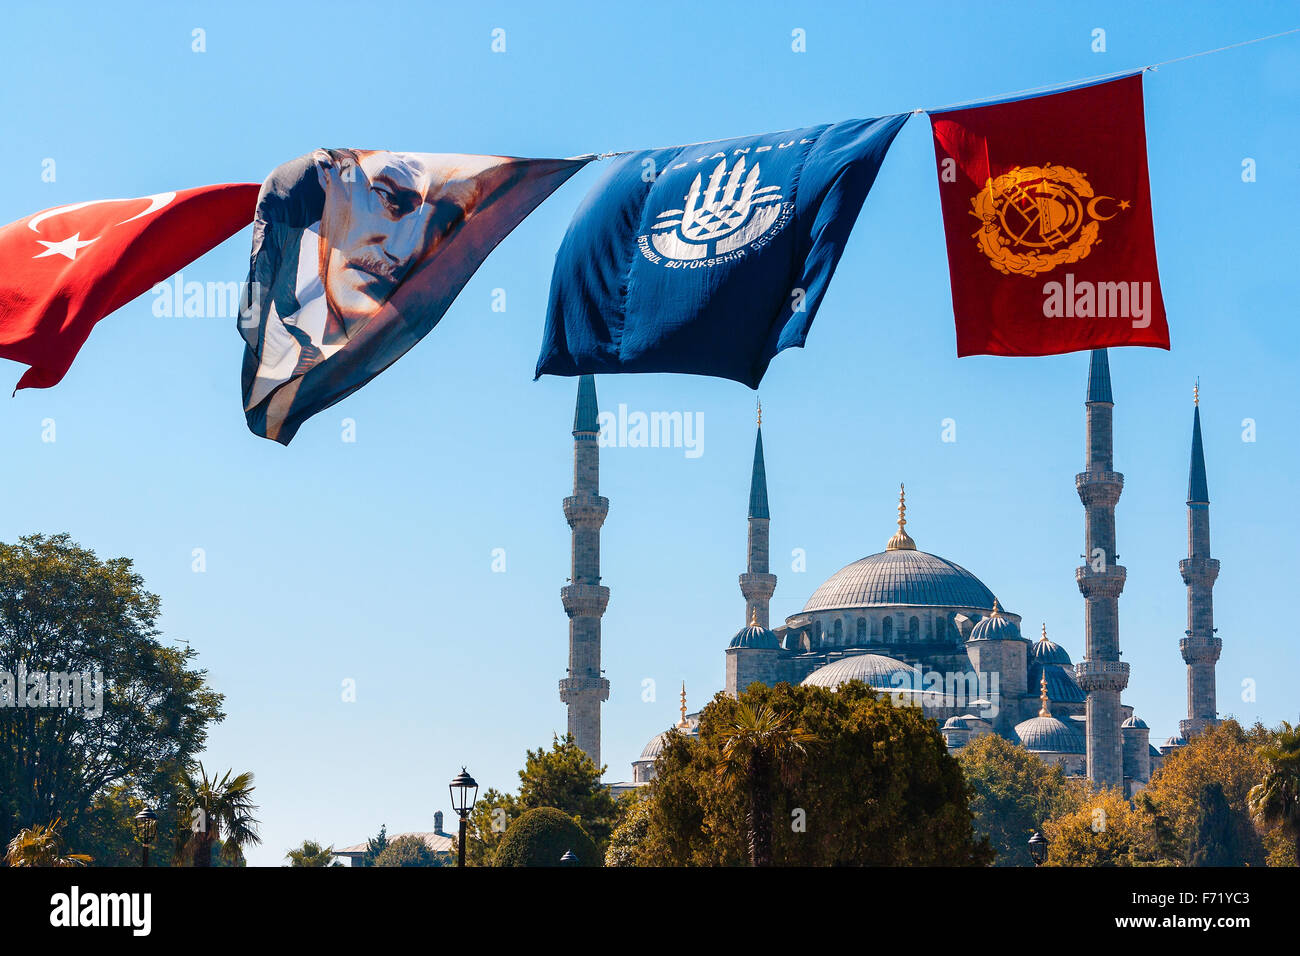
880	789
626	840
1275	800
563	777
1013	792
408	851
213	809
66	616
1225	754
541	836
1217	837
761	746
311	853
375	846
42	846
1104	831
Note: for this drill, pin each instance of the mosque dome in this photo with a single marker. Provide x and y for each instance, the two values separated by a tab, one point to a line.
656	745
900	575
995	627
956	723
1043	651
877	670
1177	741
755	635
1136	723
1050	735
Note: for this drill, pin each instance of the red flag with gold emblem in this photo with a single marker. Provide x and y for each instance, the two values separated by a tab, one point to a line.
1047	211
64	269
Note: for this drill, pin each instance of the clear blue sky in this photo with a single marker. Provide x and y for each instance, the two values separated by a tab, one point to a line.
372	561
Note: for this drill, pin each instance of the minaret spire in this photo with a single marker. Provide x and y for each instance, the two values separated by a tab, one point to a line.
1199	646
1101	674
757	584
585	598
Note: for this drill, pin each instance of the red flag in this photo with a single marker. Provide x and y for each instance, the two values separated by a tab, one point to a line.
66	268
1047	210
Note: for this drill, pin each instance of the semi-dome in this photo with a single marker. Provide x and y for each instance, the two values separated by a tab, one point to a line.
1050	735
1061	684
877	670
995	627
900	575
755	635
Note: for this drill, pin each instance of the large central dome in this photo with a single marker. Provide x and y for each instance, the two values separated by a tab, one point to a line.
901	577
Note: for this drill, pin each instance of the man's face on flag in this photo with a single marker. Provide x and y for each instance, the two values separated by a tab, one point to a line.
384	212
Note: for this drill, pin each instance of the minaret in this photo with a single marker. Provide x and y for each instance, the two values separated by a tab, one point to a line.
756	584
1199	646
584	596
1101	674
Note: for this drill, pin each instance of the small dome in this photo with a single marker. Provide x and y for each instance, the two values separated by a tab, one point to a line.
755	635
656	746
1050	735
1136	723
1176	741
877	670
995	627
955	723
1043	651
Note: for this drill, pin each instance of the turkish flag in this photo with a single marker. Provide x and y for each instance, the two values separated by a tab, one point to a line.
1047	211
64	269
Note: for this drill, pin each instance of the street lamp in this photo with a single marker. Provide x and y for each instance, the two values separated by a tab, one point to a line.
462	801
146	828
1038	845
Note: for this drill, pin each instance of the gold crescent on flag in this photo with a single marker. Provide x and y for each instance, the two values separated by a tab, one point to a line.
1092	208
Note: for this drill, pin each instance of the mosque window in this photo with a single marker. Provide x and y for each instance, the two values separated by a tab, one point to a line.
817	632
862	630
887	630
839	632
914	629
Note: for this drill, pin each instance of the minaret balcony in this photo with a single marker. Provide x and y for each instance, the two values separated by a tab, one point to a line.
1098	585
574	688
1099	488
585	511
1201	571
1101	675
1200	649
584	600
756	585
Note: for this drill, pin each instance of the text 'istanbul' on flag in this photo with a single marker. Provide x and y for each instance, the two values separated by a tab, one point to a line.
709	259
1047	211
356	255
68	267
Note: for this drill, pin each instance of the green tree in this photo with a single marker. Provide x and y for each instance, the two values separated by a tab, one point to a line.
1217	837
1013	792
42	846
761	746
311	853
879	789
213	809
563	777
1104	831
1275	800
541	836
1224	754
626	840
375	846
65	611
408	851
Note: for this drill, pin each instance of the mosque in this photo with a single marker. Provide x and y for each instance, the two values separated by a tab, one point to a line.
925	631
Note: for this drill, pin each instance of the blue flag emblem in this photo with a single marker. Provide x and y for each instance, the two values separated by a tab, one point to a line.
709	259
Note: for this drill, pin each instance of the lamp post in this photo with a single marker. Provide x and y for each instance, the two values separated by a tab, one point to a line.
146	828
462	801
1038	845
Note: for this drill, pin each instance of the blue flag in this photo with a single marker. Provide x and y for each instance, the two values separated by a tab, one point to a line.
709	259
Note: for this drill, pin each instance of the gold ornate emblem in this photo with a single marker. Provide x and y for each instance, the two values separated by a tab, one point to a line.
1036	218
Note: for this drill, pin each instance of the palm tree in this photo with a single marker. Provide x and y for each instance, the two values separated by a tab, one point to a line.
212	809
311	853
762	746
42	846
1275	800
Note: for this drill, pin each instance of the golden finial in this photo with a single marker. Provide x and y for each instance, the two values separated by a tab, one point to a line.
1045	710
682	723
760	413
996	611
1044	637
901	541
1196	391
753	617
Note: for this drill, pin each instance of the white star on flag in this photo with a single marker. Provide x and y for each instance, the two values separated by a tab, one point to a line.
68	247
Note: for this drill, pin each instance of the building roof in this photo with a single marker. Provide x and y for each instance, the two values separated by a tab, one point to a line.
995	627
1099	378
754	635
1136	722
1050	735
1198	491
437	842
1044	651
656	746
877	670
758	479
1061	685
901	577
586	415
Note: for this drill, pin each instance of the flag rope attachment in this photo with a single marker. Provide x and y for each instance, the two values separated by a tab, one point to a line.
1107	76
